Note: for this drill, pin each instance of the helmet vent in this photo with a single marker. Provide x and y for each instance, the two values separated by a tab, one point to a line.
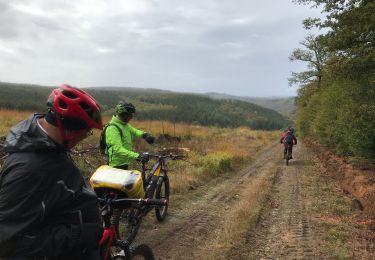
69	94
62	104
91	113
84	106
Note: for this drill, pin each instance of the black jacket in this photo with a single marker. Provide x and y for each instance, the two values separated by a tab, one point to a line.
43	197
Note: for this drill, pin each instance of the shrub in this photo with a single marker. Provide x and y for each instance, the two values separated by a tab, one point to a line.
216	163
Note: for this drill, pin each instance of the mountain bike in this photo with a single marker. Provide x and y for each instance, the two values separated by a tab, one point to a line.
288	154
113	248
156	185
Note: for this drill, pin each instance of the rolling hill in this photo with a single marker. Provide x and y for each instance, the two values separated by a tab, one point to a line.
153	104
284	105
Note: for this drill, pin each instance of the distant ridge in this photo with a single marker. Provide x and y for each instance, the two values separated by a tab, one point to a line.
155	104
284	105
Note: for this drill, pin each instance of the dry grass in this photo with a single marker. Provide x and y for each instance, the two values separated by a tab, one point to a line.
242	216
213	150
9	118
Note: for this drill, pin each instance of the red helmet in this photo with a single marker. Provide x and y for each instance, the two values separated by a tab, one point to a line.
76	107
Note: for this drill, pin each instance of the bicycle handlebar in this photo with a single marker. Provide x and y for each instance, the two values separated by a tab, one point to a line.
148	202
171	156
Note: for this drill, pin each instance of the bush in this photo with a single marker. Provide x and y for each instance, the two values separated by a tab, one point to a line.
216	163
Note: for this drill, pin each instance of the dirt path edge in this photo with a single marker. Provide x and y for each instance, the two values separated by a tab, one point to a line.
358	181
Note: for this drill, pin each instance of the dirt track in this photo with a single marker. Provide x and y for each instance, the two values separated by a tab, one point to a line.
295	220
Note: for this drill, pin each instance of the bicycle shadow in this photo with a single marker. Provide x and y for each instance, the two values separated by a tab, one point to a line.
300	162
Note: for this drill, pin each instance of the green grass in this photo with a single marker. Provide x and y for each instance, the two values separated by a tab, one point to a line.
337	252
335	235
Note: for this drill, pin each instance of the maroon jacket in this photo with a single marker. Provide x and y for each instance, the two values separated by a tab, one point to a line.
289	137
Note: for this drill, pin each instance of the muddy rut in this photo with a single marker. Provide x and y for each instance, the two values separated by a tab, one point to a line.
286	227
186	233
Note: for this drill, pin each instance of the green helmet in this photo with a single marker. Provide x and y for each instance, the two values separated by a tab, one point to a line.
124	108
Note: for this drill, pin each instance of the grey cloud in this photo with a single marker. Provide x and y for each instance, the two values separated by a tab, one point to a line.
8	21
237	47
234	33
46	24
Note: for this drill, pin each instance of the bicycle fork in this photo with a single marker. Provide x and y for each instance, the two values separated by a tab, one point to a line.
151	187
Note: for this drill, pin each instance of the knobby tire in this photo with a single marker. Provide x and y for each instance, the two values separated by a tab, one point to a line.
141	251
128	231
288	155
162	192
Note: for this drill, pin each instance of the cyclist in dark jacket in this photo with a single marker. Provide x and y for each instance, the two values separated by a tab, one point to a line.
47	211
288	138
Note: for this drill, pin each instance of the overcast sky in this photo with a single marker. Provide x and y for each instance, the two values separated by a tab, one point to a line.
238	47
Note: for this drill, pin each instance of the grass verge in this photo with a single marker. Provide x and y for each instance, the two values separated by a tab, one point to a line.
243	214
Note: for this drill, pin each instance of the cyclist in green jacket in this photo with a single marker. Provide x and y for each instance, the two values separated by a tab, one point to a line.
119	144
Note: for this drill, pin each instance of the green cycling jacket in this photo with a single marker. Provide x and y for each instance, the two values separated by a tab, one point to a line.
120	150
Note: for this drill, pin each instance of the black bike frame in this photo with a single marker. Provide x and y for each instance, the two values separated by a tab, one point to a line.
157	172
110	238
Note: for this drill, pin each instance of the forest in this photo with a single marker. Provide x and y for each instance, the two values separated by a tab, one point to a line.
152	104
336	97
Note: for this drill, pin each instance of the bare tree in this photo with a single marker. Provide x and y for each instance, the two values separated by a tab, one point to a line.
315	56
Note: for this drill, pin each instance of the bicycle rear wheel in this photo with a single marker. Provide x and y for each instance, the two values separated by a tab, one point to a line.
127	226
162	192
141	251
287	157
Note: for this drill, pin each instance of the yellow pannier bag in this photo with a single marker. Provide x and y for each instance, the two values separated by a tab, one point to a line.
128	182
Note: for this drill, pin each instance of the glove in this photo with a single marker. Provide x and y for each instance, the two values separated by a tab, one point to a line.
91	233
143	157
149	138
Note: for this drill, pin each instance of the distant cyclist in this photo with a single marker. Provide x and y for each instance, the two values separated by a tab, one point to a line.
47	211
119	136
288	139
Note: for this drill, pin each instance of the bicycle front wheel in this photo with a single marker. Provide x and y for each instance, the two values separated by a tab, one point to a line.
162	192
127	225
141	251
